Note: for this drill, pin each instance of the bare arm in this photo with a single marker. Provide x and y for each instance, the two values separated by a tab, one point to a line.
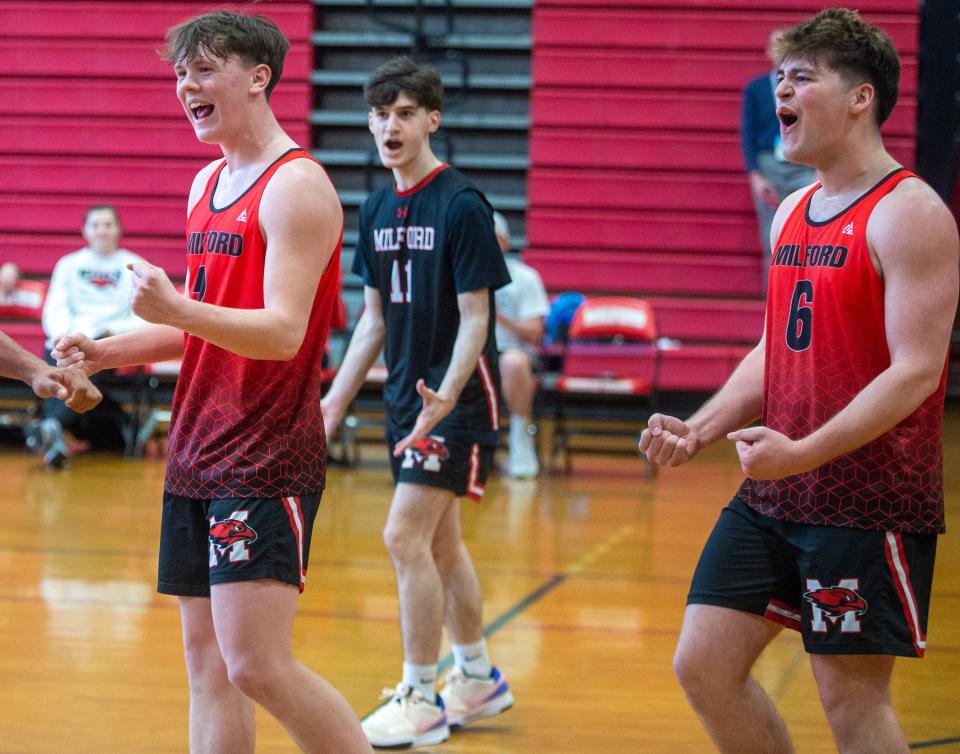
474	309
914	241
528	330
671	442
365	345
301	220
16	362
70	385
144	346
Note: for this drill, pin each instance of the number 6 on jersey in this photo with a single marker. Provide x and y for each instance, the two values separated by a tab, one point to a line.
800	321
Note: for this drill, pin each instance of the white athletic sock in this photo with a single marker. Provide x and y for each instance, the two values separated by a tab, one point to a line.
473	659
519	424
422	678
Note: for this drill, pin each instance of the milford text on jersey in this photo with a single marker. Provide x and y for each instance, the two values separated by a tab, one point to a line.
215	242
416	237
813	255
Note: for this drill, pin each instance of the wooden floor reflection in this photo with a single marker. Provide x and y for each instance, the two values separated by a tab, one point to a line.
584	575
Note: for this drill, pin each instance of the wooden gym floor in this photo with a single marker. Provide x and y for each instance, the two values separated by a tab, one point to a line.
584	576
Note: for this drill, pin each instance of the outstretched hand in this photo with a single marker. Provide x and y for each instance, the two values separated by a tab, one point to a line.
69	385
77	350
668	441
435	407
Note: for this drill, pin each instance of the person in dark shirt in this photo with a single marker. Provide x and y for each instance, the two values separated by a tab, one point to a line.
430	264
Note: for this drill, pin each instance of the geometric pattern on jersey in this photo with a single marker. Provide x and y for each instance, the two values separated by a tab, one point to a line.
420	248
825	341
245	427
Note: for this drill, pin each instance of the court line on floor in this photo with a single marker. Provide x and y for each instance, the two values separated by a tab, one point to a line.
548	586
934	742
590	557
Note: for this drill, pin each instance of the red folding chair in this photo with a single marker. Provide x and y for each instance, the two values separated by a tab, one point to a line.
608	379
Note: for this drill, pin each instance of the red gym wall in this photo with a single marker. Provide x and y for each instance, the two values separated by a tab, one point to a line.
636	181
91	116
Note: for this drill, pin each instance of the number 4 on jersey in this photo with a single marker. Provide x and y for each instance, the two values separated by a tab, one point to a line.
199	286
400	283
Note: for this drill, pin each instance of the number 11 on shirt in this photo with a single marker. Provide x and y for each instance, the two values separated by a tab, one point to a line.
400	283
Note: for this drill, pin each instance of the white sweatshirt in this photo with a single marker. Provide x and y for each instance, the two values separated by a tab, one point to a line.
90	293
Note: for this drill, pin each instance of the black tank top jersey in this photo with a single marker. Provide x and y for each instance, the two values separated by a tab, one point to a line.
420	248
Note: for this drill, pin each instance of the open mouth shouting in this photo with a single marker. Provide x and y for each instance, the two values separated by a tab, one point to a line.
200	111
787	118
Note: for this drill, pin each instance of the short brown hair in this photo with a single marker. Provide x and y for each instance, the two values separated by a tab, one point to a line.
254	39
99	208
421	82
839	39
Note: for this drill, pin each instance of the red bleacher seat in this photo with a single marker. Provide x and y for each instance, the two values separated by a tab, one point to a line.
20	314
25	302
642	272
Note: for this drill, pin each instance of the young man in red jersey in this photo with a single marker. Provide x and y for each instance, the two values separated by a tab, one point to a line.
247	455
430	262
69	385
834	530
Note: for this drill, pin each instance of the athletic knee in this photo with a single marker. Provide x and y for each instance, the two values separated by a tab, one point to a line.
403	545
515	367
205	666
249	675
699	677
846	705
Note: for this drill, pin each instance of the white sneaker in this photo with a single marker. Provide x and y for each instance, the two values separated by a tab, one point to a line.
468	699
407	719
522	462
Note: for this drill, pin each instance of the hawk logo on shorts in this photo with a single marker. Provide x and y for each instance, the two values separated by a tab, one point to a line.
230	534
430	453
230	531
836	603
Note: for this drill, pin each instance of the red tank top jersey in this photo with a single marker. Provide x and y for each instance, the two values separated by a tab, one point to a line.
825	341
245	427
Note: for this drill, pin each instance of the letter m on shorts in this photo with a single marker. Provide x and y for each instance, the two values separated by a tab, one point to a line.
835	604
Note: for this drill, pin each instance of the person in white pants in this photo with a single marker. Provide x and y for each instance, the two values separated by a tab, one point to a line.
521	309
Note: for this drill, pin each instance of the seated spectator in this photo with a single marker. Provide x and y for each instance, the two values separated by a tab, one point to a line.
9	277
89	293
521	308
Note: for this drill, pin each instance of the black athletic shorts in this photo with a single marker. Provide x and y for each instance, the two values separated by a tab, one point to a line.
204	542
848	591
449	464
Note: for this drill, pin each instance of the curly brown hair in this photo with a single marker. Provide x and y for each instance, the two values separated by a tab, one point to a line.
842	41
254	39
